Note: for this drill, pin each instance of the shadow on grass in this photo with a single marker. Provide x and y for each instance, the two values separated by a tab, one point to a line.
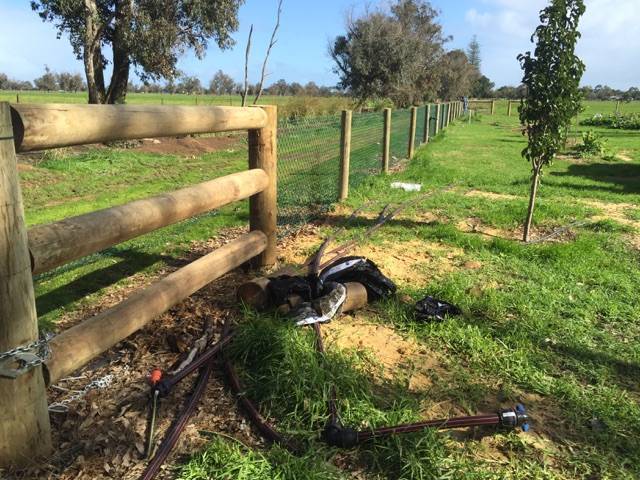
621	175
132	261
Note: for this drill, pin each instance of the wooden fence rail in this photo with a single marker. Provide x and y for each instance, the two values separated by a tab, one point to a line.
24	422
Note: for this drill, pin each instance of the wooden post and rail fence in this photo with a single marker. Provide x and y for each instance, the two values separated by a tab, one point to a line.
25	434
24	420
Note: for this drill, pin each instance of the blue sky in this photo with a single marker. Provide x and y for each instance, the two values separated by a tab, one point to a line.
609	47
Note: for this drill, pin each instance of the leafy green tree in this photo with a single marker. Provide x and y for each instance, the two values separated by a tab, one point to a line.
391	54
70	82
147	35
456	75
552	77
482	87
473	53
190	85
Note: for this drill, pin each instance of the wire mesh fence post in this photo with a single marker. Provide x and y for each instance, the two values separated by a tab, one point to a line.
263	206
345	154
438	111
426	124
25	432
386	140
412	132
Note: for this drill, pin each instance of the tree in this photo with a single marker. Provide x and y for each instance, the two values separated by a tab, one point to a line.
311	89
70	82
391	55
189	85
281	87
482	87
456	75
143	34
47	81
222	84
295	89
552	77
473	53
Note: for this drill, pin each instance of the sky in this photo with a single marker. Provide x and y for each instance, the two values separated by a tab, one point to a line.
610	44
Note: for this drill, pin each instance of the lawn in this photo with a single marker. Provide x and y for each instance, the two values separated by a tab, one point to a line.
554	325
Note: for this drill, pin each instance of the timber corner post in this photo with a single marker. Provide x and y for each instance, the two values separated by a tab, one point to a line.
386	140
263	153
25	431
345	154
411	147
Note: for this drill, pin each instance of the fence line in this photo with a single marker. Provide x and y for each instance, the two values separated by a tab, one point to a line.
315	172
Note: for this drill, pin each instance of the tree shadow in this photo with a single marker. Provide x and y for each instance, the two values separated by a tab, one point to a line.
625	177
132	261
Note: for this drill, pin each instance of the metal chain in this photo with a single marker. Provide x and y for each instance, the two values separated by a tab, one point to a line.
26	356
98	384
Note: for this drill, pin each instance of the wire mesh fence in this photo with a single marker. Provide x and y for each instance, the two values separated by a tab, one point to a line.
367	130
309	156
308	167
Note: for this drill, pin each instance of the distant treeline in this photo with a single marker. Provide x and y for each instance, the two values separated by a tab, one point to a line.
220	84
599	92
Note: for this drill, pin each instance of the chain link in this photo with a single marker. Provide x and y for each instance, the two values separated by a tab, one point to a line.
98	384
26	356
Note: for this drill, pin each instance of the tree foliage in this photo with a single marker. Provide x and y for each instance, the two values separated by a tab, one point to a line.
482	87
391	54
473	53
148	35
47	81
552	77
222	84
457	75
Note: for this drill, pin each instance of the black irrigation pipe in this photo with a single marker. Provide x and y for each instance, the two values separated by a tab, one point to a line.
262	425
176	429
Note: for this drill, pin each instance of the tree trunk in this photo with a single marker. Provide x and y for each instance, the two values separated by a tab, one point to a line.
535	180
92	55
117	92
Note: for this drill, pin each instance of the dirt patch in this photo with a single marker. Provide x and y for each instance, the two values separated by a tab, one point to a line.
398	356
491	195
613	211
188	146
624	156
475	225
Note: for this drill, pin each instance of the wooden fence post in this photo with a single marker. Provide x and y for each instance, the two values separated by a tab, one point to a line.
411	147
493	107
25	432
263	153
386	141
345	154
17	98
427	114
509	109
438	111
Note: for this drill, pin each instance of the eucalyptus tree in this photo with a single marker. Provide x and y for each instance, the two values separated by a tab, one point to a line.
146	35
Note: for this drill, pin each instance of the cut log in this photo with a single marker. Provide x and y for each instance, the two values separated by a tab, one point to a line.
75	347
42	126
58	243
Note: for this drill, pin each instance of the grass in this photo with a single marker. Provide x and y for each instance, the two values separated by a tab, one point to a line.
553	324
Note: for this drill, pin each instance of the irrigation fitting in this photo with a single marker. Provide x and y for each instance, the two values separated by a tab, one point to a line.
337	435
513	418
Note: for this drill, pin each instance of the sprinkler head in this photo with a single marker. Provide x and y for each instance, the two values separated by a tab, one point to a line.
515	417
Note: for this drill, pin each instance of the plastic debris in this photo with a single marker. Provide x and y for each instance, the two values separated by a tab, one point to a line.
407	187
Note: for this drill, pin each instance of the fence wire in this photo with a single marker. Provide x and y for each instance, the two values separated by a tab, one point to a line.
308	167
309	157
400	121
367	130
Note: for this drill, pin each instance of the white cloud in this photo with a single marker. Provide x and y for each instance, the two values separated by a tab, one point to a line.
609	44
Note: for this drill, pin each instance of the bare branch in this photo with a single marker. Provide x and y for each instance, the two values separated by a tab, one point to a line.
245	92
266	57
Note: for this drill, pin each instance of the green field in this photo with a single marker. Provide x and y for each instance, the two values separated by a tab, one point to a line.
555	325
289	106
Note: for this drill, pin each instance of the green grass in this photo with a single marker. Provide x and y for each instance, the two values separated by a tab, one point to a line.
555	325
